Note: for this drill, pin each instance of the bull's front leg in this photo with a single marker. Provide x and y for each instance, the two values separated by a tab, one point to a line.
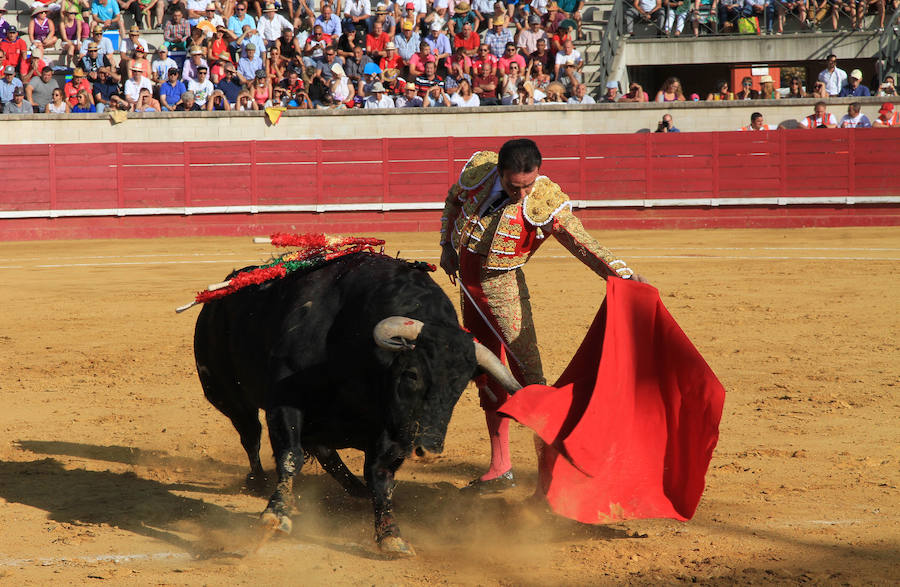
381	464
284	423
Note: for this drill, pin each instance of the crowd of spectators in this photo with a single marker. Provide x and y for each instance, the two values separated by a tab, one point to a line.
669	17
254	55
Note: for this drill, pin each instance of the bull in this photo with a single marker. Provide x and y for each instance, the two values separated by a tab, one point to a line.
364	352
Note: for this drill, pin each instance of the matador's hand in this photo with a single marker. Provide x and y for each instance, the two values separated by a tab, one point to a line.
639	279
450	262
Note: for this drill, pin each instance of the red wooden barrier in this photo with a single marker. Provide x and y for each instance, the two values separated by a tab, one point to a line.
376	177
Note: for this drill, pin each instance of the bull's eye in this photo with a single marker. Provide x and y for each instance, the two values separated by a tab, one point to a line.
411	375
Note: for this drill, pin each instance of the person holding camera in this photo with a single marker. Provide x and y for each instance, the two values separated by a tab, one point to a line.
887	87
666	124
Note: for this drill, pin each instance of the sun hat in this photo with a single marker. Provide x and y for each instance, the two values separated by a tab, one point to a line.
377	87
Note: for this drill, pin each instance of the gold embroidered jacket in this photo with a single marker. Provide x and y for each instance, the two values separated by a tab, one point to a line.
508	236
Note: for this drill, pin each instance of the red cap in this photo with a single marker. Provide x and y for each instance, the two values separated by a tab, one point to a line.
410	5
887	108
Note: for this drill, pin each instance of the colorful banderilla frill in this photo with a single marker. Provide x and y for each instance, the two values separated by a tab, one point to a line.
314	250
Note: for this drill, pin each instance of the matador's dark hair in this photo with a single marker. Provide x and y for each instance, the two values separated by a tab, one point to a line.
519	156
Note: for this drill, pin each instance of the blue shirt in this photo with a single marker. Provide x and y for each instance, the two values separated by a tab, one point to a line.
441	44
860	90
172	93
230	89
107	12
6	89
332	26
406	49
78	109
497	42
237	25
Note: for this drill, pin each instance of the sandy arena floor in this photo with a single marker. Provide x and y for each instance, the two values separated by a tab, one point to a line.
114	468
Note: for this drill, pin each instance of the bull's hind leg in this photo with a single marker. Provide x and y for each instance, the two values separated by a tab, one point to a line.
380	467
245	419
333	464
284	423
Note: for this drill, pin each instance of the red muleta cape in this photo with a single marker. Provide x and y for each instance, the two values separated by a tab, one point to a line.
632	422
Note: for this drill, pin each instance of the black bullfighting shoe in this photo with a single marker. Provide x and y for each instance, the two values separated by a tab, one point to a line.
495	485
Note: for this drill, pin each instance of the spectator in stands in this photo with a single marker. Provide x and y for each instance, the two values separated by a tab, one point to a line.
853	87
229	84
378	98
525	96
529	37
218	102
509	83
762	10
818	91
854	118
795	88
408	42
428	79
410	98
41	30
484	11
375	42
436	97
417	62
239	20
438	15
484	83
509	57
646	11
323	69
161	65
391	59
329	21
202	88
386	18
671	91
72	34
675	15
439	43
464	97
610	97
83	103
245	103
747	92
18	104
462	15
552	18
886	116
666	124
39	91
820	118
721	92
74	86
580	95
288	46
57	104
767	89
556	94
497	38
177	32
248	65
568	56
569	74
757	123
635	94
539	78
4	26
342	89
314	49
138	57
187	103
729	13
106	13
887	87
13	48
32	64
8	84
356	13
146	102
249	37
135	83
190	68
271	25
704	13
833	76
790	6
106	90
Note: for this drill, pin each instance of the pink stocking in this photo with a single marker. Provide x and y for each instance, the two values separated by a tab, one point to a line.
498	429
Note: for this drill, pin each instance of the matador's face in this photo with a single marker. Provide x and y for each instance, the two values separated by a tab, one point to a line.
518	184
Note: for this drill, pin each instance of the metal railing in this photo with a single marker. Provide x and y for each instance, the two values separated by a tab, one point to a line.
888	59
609	45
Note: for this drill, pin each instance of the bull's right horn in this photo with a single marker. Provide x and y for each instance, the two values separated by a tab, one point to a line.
495	368
397	333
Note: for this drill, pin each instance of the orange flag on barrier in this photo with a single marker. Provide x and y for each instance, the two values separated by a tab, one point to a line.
631	424
273	113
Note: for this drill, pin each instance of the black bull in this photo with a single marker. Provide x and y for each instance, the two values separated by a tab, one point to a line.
364	352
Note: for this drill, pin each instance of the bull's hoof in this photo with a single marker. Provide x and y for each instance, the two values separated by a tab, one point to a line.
275	522
396	546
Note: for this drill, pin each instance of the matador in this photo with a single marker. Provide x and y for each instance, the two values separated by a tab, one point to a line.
495	218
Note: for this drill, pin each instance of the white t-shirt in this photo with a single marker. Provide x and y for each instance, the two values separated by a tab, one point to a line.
133	89
384	102
472	102
357	8
562	58
858	121
202	91
830	120
586	100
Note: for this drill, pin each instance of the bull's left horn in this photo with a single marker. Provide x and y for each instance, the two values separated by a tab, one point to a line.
397	333
495	368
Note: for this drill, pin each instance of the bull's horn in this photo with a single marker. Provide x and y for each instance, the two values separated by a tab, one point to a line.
397	333
495	368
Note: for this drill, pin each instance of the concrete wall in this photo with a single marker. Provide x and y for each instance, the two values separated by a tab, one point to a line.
497	121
